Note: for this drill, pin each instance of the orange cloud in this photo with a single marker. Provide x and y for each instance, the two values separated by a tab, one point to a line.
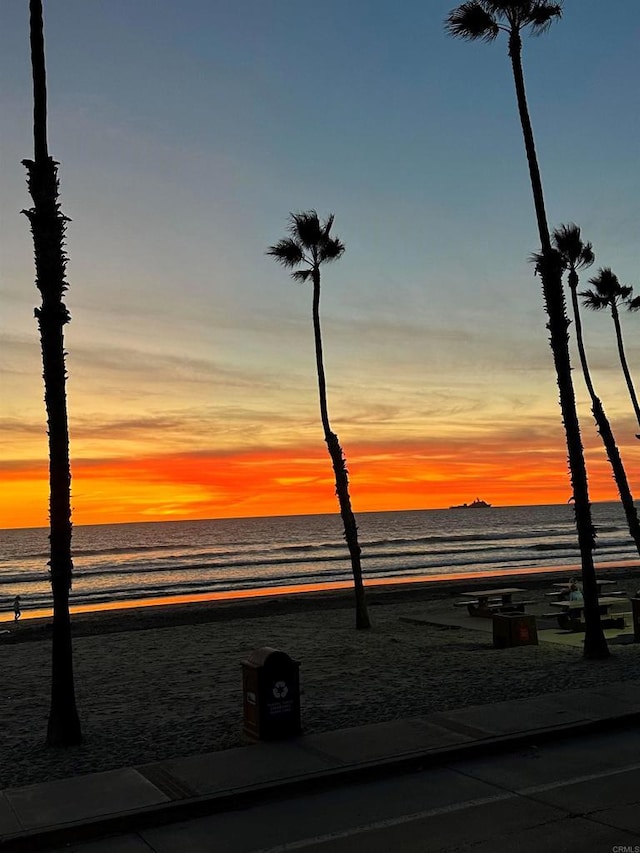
514	468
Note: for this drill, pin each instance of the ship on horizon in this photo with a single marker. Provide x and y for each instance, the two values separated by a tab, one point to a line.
477	504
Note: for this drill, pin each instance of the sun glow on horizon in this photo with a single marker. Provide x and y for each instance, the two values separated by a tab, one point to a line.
276	482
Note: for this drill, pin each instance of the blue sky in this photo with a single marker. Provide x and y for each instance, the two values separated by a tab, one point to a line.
187	131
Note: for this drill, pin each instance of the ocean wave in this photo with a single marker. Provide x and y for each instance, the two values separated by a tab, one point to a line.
151	566
220	552
161	558
284	566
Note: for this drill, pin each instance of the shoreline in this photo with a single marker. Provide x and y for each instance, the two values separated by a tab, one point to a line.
144	613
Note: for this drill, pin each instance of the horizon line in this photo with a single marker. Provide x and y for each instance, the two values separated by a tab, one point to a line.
293	515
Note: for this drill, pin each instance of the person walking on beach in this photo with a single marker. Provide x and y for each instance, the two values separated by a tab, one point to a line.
17	612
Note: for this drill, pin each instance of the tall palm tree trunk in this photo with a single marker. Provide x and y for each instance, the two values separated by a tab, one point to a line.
339	468
515	54
575	305
595	644
623	360
602	422
48	226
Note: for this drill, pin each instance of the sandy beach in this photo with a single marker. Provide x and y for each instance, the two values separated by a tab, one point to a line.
164	682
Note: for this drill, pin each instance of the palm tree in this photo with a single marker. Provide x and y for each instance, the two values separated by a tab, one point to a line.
48	228
484	20
310	245
579	255
609	293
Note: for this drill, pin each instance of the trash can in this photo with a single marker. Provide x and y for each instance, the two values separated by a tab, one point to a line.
514	629
271	695
635	613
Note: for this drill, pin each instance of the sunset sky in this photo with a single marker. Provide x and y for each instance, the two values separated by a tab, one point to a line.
187	131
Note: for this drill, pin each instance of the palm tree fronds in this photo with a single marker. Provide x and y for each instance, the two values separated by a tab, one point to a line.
309	242
605	279
305	228
587	257
625	292
287	252
302	275
538	15
327	226
541	15
536	258
633	304
593	300
608	287
471	21
568	241
330	250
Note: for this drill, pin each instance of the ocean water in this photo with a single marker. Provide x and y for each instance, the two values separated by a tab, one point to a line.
121	562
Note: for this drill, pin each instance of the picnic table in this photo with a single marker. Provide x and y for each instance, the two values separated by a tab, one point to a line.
486	602
571	615
564	587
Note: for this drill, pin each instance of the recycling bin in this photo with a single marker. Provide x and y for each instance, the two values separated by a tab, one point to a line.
271	695
514	629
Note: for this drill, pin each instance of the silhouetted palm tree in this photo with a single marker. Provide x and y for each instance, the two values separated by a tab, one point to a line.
48	227
579	255
610	293
310	245
484	20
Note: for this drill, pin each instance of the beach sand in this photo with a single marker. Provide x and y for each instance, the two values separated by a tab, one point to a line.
164	682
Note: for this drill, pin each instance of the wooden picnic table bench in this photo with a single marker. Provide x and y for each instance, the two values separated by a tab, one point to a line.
571	615
486	602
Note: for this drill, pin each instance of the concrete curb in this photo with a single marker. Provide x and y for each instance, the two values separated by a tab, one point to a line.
186	809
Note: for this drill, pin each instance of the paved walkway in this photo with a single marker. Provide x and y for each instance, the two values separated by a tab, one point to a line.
547	625
55	813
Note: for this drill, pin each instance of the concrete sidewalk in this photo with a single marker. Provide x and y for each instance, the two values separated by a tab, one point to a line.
547	626
81	808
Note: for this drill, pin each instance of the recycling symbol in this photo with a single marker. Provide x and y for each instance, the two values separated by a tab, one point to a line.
280	689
